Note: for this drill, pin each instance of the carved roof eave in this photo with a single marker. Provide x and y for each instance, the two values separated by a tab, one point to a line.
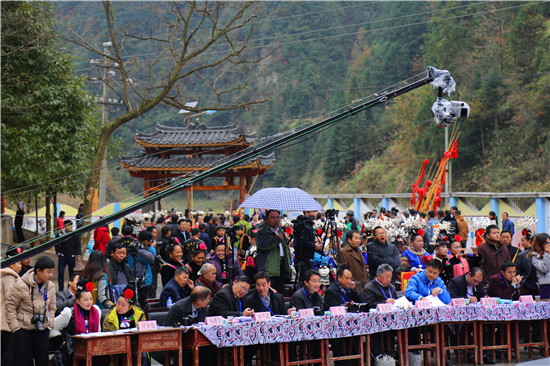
254	165
242	141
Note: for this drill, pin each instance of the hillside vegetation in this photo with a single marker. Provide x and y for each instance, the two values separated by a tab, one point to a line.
326	54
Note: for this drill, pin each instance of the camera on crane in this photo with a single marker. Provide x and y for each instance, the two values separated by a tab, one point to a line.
446	112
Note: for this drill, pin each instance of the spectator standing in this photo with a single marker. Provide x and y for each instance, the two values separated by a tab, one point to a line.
198	257
227	267
203	235
60	224
165	242
507	224
452	221
18	222
380	252
492	252
430	226
159	225
101	238
68	252
506	240
353	258
31	317
174	262
140	263
414	252
115	236
463	228
9	275
192	243
540	260
120	272
182	234
273	253
493	217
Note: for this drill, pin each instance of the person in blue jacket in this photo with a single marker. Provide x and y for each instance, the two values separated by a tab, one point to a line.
414	252
426	283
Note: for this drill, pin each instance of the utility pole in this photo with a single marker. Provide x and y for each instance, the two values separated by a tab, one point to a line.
449	173
106	101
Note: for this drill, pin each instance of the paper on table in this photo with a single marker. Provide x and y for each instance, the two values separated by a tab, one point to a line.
434	300
402	302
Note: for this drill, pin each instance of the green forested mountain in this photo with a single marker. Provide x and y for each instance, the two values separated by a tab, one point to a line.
326	54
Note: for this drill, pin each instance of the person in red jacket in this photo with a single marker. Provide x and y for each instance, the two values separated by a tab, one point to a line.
101	238
60	224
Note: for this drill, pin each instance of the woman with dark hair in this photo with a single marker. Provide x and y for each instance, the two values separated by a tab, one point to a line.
125	314
84	317
540	259
243	242
8	275
227	267
175	255
97	272
198	257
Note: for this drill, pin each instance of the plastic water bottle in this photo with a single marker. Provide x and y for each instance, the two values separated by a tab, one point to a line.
169	302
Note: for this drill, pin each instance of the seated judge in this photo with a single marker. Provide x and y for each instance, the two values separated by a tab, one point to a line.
177	288
342	290
380	290
468	286
190	310
229	301
426	283
506	284
263	298
308	296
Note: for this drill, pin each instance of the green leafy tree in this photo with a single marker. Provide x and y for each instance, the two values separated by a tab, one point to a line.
48	127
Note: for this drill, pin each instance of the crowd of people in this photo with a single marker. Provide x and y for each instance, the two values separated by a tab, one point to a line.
240	265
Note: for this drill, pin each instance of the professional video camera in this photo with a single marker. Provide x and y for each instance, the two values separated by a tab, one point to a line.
446	112
317	310
356	307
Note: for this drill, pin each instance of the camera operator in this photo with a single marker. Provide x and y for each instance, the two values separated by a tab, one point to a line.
141	255
305	244
30	312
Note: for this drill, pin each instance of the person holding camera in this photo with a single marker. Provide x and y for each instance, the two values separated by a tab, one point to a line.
140	259
305	244
30	312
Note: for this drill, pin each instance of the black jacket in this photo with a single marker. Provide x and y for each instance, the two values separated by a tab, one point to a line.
277	303
63	299
181	309
302	301
174	291
379	253
526	270
70	247
120	272
458	287
182	237
225	303
372	293
334	297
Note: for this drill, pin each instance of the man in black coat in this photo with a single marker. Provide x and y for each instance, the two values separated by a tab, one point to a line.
380	252
308	296
68	252
380	291
342	290
263	298
190	310
229	301
67	297
182	232
338	293
177	288
468	286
